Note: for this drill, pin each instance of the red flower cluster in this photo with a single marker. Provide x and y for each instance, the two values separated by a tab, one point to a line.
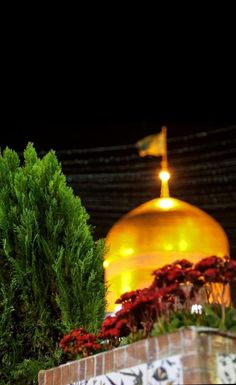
215	269
170	274
111	330
142	308
128	297
174	287
80	342
210	269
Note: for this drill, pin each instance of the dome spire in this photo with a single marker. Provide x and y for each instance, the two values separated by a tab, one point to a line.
164	174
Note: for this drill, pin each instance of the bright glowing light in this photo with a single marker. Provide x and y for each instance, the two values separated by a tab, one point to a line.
165	203
164	176
183	245
168	247
106	264
126	251
126	281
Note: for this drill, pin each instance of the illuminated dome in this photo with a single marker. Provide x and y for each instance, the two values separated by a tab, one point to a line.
154	234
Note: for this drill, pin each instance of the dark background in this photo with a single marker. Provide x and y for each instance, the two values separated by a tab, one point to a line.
102	165
109	128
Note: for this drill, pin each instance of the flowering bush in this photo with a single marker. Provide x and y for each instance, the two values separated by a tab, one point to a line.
164	306
79	342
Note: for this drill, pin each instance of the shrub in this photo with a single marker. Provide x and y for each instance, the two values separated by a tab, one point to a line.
51	273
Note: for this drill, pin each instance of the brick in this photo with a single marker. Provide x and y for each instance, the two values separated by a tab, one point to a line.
163	345
49	377
81	372
120	361
137	353
189	339
152	349
208	377
65	374
207	361
175	343
192	377
57	376
131	356
204	343
99	364
232	345
89	367
41	377
108	362
74	371
229	345
218	344
141	351
190	361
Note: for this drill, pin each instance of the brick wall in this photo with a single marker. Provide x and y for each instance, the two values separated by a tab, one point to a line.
199	350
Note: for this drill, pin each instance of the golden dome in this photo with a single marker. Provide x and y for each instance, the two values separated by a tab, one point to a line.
154	234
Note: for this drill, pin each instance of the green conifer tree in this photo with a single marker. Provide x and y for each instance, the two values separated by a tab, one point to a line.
51	273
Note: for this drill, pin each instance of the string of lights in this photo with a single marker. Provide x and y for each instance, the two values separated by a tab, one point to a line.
125	147
196	169
134	156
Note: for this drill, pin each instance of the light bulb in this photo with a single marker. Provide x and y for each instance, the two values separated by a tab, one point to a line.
164	176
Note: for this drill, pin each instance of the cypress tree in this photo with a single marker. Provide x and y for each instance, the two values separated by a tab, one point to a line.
51	273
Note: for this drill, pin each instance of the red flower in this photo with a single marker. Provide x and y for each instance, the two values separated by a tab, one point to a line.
193	274
195	277
231	265
80	342
183	263
88	345
126	308
109	322
97	346
175	275
229	276
109	334
212	275
120	324
129	296
207	263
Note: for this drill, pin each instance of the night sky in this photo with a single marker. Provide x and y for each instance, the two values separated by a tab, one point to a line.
104	129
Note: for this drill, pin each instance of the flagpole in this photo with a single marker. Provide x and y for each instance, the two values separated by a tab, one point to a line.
164	156
164	175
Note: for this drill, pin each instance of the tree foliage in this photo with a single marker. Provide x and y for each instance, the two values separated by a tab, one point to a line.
51	273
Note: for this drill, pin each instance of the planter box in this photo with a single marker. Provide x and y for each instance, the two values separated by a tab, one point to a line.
187	356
